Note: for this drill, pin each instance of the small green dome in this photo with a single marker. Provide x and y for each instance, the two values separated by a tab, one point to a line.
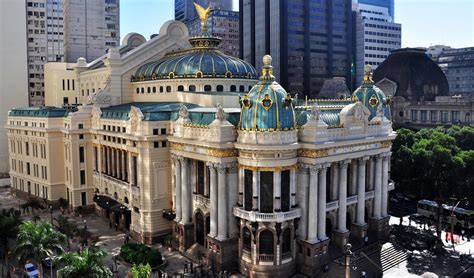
267	106
371	96
203	60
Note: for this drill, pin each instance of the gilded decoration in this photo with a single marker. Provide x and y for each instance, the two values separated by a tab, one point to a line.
269	169
177	146
222	153
385	144
267	102
313	153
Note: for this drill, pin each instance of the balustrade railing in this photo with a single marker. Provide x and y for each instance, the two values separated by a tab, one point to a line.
267	217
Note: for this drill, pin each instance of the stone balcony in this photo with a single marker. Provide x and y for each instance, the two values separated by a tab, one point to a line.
256	216
202	200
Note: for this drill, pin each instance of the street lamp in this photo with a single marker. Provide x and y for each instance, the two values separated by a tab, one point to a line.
85	224
51	212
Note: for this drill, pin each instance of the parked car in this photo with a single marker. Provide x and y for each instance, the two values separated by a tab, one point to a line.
31	270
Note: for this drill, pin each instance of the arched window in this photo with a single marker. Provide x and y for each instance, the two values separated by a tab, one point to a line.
220	88
168	89
148	90
125	200
233	88
154	89
241	88
207	88
228	74
180	88
161	89
286	241
171	75
247	239
115	195
266	242
138	91
285	190
468	118
192	88
199	74
143	90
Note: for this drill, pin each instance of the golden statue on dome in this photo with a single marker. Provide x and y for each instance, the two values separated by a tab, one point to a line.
203	15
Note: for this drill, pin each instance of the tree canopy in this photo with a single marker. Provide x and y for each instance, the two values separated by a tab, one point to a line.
87	264
435	163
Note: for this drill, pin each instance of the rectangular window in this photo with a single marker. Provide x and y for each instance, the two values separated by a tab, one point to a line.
423	115
455	117
96	159
285	190
266	192
83	199
201	167
248	194
414	115
83	177
80	126
155	131
434	116
81	154
27	168
444	116
27	148
163	131
135	170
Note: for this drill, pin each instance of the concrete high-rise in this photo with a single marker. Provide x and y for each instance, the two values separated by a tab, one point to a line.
375	36
44	31
13	68
310	41
389	4
184	9
458	65
90	28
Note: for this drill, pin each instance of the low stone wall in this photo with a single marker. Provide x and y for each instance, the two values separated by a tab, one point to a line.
5	182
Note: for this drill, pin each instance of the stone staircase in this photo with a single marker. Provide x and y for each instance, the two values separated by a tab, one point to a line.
376	263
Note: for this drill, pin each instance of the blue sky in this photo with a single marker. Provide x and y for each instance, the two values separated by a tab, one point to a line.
424	22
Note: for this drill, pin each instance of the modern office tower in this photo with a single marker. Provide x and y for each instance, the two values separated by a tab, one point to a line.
184	9
309	40
13	68
223	24
389	4
90	28
45	43
435	51
375	36
458	66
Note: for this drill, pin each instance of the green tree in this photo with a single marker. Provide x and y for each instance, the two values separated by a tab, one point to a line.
9	222
87	264
38	241
141	271
67	227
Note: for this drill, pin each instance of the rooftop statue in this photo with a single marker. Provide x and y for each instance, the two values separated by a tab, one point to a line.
203	15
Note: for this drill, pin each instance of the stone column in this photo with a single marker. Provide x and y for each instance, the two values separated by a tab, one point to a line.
313	205
371	183
361	191
222	203
334	182
185	192
277	191
109	161
241	187
232	195
124	171
342	211
213	197
378	188
293	187
207	182
354	178
131	169
255	182
302	195
177	189
385	184
322	202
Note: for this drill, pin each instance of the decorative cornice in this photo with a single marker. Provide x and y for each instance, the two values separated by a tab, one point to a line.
177	146
222	152
385	144
313	153
268	169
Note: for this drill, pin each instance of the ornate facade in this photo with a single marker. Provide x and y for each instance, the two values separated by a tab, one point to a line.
238	164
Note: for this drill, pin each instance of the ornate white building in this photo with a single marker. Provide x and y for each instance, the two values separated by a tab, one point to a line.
238	165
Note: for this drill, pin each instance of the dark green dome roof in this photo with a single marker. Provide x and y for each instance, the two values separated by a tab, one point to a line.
203	60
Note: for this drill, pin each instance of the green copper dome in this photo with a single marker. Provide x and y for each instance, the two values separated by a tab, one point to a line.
371	96
203	60
267	106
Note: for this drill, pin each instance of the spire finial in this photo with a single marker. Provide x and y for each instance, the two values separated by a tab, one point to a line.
267	69
203	15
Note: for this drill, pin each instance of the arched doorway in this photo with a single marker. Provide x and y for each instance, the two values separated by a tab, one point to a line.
328	228
199	228
265	245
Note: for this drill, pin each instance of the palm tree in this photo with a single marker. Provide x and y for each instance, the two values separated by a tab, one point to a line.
9	222
87	264
38	241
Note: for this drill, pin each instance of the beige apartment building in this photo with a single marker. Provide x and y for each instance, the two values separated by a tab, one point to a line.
174	136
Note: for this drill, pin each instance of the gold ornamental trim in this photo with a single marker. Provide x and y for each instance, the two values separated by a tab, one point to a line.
222	153
385	144
177	146
313	153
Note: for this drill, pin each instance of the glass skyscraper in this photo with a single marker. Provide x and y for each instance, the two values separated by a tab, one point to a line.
389	4
309	40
